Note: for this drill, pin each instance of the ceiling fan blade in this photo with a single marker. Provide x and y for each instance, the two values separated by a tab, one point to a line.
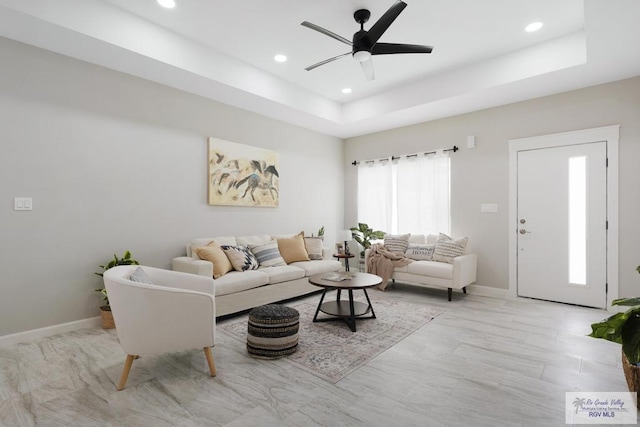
326	61
367	68
391	48
327	32
386	20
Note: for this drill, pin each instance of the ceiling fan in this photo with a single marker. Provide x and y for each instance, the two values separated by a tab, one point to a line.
365	43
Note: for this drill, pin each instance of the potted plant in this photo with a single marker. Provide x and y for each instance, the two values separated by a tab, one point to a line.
363	234
624	328
105	310
321	232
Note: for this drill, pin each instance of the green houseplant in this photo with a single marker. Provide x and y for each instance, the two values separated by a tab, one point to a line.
105	309
363	234
624	328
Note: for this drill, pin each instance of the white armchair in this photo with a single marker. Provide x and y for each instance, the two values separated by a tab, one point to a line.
175	312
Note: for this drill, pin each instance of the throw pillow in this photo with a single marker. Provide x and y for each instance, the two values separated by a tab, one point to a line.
214	254
314	247
241	257
268	254
292	249
447	248
397	244
420	252
140	276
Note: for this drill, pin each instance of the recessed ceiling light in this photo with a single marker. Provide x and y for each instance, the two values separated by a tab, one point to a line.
169	4
280	58
534	26
346	90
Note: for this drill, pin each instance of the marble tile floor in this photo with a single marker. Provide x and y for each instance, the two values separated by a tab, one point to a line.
484	362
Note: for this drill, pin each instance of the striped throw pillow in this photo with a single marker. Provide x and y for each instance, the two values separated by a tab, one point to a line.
268	254
397	244
447	248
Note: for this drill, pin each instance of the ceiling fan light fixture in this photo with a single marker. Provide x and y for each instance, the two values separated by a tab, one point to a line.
362	55
533	27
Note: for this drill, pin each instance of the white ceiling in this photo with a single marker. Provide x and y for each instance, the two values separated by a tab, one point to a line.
224	50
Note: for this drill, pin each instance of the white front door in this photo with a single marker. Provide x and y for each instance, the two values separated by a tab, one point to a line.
561	224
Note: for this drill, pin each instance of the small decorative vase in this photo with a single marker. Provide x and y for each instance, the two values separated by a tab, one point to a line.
632	375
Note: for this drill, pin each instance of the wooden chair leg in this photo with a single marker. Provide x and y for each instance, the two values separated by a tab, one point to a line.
125	371
212	365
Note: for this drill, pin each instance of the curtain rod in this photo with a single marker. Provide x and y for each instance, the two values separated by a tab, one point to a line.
355	162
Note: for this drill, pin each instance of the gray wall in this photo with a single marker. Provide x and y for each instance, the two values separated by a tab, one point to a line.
481	175
113	162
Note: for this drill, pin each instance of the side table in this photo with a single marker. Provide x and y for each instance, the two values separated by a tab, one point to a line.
345	257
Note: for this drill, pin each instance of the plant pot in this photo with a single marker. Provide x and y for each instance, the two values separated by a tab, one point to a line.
632	375
107	318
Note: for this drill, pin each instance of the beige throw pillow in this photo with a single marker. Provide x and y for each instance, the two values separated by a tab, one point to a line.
447	248
292	249
214	254
314	247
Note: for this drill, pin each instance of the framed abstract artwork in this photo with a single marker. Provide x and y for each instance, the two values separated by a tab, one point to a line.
242	175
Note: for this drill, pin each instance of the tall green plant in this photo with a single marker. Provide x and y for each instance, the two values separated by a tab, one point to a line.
126	259
623	328
363	234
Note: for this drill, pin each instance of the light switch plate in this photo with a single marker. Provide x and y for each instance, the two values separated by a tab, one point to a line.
22	203
471	142
489	207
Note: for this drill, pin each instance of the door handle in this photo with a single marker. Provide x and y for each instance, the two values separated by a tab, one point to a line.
523	231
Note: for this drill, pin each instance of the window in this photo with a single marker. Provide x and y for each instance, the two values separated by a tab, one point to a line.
407	195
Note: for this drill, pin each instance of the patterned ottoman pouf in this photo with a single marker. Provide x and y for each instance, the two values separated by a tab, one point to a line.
272	331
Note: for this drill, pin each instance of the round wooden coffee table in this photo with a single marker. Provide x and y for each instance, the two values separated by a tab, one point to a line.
350	310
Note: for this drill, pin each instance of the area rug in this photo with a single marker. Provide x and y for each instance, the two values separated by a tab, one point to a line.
331	351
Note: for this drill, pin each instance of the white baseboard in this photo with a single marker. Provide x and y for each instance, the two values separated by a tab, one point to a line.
34	334
488	291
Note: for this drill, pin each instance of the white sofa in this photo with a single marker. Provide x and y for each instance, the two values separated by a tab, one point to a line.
456	275
238	291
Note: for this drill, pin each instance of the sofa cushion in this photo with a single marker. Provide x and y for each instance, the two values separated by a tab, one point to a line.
314	247
420	252
292	249
431	269
282	273
447	248
215	254
258	239
241	257
396	243
320	266
417	238
268	254
432	238
238	281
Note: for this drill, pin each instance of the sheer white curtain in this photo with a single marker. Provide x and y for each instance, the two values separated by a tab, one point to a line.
423	193
410	195
375	194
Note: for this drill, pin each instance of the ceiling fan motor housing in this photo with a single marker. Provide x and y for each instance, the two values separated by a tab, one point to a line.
361	43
